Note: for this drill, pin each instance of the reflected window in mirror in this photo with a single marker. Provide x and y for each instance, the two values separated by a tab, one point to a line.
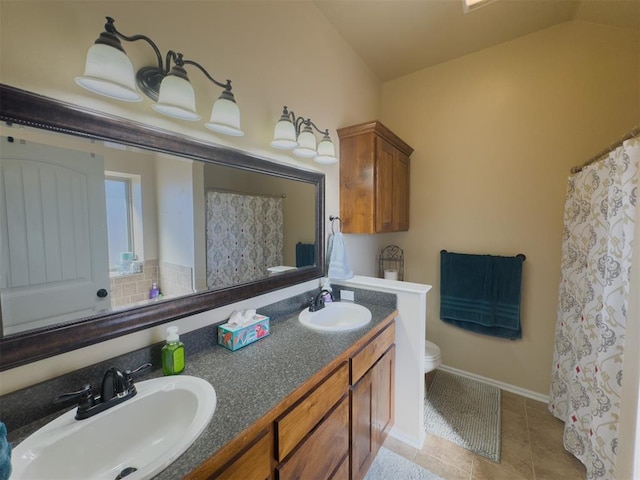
119	204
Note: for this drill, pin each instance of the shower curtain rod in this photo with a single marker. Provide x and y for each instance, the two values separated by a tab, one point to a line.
634	131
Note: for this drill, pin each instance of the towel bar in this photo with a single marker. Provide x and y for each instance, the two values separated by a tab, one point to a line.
520	255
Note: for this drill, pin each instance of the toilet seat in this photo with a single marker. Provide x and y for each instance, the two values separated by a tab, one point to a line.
431	356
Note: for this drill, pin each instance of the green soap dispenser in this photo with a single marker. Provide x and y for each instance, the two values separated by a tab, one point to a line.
173	353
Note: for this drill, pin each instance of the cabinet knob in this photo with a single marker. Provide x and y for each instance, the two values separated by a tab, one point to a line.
102	293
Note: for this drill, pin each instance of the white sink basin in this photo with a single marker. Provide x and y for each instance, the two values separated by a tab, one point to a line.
147	432
336	317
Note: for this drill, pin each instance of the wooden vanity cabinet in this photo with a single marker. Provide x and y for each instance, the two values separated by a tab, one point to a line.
330	428
371	398
374	179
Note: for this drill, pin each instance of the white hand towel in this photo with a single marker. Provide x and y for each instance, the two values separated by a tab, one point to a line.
339	268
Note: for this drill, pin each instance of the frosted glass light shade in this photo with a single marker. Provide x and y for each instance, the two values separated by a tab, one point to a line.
284	135
225	116
326	152
306	144
109	72
177	99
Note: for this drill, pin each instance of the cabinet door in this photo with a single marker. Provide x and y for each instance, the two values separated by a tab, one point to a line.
392	188
384	390
362	426
371	413
384	194
400	192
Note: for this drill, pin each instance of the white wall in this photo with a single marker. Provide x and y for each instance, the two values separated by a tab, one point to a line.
175	195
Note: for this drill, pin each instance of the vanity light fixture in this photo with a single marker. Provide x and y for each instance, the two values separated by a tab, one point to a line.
295	133
109	72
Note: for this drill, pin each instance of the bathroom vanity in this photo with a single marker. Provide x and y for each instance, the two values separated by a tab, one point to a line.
287	397
357	384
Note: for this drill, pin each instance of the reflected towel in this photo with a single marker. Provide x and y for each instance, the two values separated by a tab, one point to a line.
305	254
5	454
481	293
339	268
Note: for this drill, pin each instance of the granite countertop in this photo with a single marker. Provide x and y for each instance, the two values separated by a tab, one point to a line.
251	381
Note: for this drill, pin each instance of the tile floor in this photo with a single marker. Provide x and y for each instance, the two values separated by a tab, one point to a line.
531	449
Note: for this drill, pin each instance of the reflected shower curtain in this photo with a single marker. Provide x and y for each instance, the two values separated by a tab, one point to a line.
245	236
594	290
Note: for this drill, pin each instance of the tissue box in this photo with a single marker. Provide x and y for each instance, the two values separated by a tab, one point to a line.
237	337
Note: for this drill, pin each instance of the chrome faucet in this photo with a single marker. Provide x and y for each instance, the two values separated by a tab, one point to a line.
117	386
317	303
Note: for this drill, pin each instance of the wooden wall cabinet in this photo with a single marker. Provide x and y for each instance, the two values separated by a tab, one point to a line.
374	179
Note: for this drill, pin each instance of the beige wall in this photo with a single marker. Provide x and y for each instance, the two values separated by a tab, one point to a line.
275	53
495	134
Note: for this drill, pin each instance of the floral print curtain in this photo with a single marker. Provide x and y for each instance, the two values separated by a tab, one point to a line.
592	311
245	236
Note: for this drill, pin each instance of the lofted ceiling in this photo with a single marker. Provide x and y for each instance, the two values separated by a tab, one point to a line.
398	37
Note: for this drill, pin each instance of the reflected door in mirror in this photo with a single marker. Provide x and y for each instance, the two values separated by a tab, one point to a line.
53	235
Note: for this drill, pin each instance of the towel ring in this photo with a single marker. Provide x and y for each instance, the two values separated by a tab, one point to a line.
333	223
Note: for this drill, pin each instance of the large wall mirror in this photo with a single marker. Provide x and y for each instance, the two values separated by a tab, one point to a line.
109	226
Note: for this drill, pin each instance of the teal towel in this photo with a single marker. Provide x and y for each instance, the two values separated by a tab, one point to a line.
305	254
481	293
5	454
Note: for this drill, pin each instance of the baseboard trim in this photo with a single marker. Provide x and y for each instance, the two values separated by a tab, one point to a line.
504	386
412	441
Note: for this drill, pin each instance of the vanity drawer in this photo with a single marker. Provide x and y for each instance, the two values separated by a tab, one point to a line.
322	452
254	462
364	359
296	423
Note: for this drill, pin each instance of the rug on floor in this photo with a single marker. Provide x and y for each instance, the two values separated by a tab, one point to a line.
465	412
389	465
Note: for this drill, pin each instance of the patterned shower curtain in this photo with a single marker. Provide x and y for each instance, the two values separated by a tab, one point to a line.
594	290
245	236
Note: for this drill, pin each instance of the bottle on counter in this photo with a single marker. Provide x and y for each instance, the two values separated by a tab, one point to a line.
173	353
154	293
326	285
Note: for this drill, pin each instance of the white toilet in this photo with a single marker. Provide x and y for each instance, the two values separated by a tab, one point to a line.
431	357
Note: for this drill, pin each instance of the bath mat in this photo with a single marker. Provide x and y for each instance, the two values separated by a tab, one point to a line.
389	465
465	412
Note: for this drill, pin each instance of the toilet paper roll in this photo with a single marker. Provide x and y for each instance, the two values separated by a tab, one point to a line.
391	274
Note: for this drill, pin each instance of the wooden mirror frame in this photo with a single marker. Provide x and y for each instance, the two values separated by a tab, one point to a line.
26	108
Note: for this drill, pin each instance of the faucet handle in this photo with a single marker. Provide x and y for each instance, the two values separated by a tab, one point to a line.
138	369
85	397
128	375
